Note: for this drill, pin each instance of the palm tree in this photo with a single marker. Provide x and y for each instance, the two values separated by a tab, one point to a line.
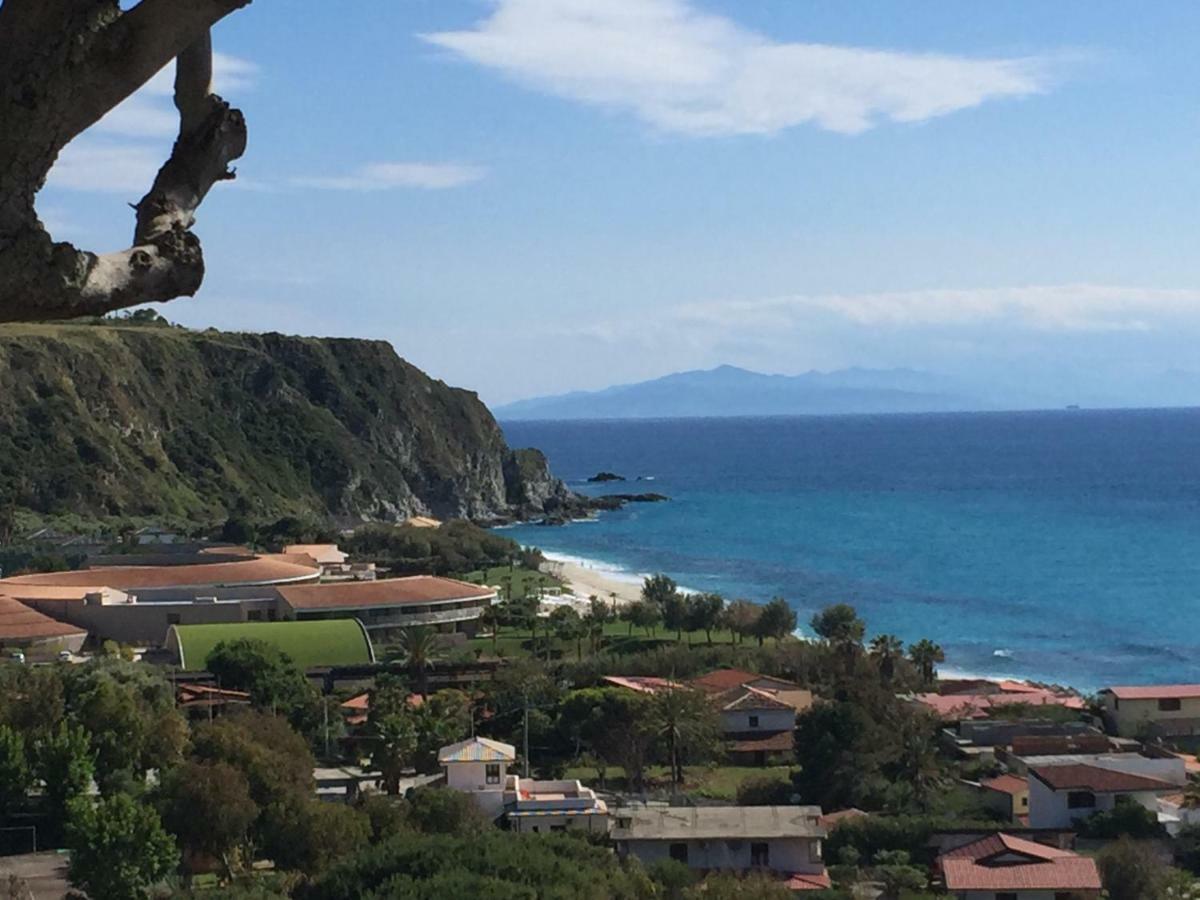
886	649
687	721
597	616
420	649
925	655
490	618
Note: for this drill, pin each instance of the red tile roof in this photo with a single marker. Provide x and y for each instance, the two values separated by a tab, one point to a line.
801	882
773	742
1006	784
955	707
20	623
1001	862
643	684
1079	776
1155	692
257	570
385	592
740	699
723	680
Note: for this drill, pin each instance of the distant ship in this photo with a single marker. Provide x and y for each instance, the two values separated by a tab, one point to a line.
1072	406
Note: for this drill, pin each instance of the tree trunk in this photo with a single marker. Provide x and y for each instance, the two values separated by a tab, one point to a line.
63	65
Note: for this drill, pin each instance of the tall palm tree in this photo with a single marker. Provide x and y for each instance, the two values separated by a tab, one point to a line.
886	649
490	619
925	655
420	649
687	721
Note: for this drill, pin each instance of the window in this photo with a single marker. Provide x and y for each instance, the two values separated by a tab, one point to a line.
1064	895
492	773
760	854
1024	803
1006	897
754	721
1081	800
679	852
1169	704
254	615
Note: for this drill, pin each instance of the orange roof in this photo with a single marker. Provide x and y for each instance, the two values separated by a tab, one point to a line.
723	680
802	882
1006	784
385	592
1077	776
20	623
1155	692
256	570
1001	862
955	707
748	698
643	684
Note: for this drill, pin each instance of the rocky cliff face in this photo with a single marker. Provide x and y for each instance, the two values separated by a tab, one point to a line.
103	420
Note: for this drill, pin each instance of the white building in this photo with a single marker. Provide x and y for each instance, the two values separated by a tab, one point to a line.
1062	794
785	840
1164	709
479	767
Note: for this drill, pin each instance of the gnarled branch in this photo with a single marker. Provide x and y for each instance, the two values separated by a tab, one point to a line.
41	279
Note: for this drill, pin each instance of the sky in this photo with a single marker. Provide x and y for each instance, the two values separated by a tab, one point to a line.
528	197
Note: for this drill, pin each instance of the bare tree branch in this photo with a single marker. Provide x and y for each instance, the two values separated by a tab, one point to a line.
41	279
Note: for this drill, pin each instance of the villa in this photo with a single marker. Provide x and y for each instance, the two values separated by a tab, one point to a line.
1165	710
1003	867
480	768
758	713
1060	795
782	840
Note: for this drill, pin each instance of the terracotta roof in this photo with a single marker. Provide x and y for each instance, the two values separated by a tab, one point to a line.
1001	862
772	742
1001	843
385	592
643	684
829	820
1006	784
723	680
748	698
955	707
20	623
1155	692
322	553
1077	776
257	570
477	750
801	882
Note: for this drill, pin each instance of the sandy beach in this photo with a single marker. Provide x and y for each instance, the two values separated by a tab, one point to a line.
584	581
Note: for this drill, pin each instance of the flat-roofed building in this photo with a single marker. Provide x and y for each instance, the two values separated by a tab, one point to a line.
783	840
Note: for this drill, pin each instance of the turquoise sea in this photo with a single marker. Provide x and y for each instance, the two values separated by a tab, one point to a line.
1062	546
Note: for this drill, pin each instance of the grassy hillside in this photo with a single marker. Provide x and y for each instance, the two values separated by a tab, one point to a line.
118	420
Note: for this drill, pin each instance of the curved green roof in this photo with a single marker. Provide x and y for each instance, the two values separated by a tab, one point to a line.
327	642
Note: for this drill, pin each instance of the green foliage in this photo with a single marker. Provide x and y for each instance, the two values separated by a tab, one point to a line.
275	761
119	849
1132	871
658	589
839	624
704	613
765	790
307	835
437	811
741	617
493	864
65	764
16	776
1187	848
728	886
454	547
268	674
673	877
777	620
1126	819
207	806
687	727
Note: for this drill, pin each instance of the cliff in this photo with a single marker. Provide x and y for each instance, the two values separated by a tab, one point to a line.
120	420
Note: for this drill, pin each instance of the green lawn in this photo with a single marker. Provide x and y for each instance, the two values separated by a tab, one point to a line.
513	642
713	782
524	581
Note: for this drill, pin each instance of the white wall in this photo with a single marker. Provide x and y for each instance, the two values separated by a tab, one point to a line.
472	776
768	720
1048	808
785	854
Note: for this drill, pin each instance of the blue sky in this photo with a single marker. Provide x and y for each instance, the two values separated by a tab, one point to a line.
533	196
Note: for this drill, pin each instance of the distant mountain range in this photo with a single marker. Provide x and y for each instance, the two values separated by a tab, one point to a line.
730	391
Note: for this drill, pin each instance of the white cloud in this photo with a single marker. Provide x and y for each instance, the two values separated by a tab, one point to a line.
385	176
125	149
689	72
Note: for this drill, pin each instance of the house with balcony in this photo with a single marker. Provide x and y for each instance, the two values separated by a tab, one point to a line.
1003	867
784	841
480	767
758	713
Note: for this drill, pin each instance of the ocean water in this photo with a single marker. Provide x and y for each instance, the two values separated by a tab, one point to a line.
1062	546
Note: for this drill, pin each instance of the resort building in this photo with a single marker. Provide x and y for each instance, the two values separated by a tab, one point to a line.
784	840
137	604
1003	867
31	632
1060	795
1165	710
480	767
